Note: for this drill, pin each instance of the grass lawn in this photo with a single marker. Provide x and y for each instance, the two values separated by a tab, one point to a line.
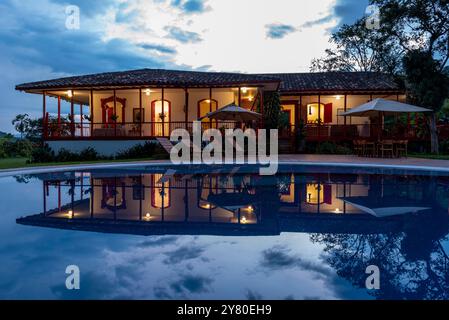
429	156
12	163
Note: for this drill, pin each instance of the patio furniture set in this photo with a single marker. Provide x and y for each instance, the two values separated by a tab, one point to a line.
382	148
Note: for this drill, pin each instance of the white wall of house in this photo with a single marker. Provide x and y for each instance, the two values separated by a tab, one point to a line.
175	96
353	101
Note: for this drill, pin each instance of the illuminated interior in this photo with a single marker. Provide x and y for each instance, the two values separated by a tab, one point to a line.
160	194
161	114
312	112
205	107
314	194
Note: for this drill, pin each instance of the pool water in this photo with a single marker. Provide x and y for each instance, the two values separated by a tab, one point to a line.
209	233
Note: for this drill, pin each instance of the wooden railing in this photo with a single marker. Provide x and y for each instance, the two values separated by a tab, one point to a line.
78	130
312	132
364	131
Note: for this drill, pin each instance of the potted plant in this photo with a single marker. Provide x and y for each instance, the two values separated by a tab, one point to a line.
114	117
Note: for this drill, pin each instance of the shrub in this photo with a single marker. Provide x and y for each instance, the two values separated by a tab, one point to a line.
89	154
66	156
42	154
10	147
444	147
140	151
332	148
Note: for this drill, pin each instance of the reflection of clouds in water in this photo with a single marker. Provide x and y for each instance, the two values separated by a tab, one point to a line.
188	252
158	241
280	257
253	295
191	284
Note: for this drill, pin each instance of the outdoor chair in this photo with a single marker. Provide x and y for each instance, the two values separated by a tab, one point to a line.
369	149
358	147
402	148
386	147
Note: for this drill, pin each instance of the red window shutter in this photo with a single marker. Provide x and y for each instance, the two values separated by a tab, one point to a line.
328	113
327	194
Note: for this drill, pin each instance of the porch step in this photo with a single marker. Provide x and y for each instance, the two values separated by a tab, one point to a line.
166	144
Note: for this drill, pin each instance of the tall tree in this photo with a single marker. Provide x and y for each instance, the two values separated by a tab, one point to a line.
426	86
408	30
360	49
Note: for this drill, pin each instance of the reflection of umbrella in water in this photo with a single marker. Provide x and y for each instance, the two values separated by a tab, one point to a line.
231	201
383	207
232	112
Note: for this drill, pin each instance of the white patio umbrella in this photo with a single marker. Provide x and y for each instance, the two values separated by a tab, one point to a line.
232	112
385	207
382	106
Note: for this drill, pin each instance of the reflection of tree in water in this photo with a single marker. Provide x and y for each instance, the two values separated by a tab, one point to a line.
412	262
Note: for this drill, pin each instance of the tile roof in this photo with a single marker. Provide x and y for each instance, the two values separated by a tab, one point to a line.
156	77
335	81
289	82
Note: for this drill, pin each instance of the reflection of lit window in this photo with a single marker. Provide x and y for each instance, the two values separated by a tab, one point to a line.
288	194
314	193
160	192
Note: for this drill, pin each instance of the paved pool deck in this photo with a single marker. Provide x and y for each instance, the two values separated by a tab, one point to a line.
329	160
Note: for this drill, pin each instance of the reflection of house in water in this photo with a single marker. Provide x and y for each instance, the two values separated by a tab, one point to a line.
143	203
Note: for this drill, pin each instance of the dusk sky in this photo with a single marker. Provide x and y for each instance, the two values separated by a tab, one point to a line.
114	35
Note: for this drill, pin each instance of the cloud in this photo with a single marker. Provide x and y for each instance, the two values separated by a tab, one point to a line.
190	6
159	48
278	31
348	11
317	22
182	36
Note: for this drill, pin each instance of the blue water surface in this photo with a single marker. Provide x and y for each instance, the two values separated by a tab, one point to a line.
210	233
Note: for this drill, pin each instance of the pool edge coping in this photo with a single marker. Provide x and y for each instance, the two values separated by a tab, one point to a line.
62	168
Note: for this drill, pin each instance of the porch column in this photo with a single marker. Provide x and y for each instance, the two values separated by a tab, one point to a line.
141	112
59	111
345	128
319	115
240	96
210	106
163	112
186	107
91	112
81	119
115	113
72	117
44	114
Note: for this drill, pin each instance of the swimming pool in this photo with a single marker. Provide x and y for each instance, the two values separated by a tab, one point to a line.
199	232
